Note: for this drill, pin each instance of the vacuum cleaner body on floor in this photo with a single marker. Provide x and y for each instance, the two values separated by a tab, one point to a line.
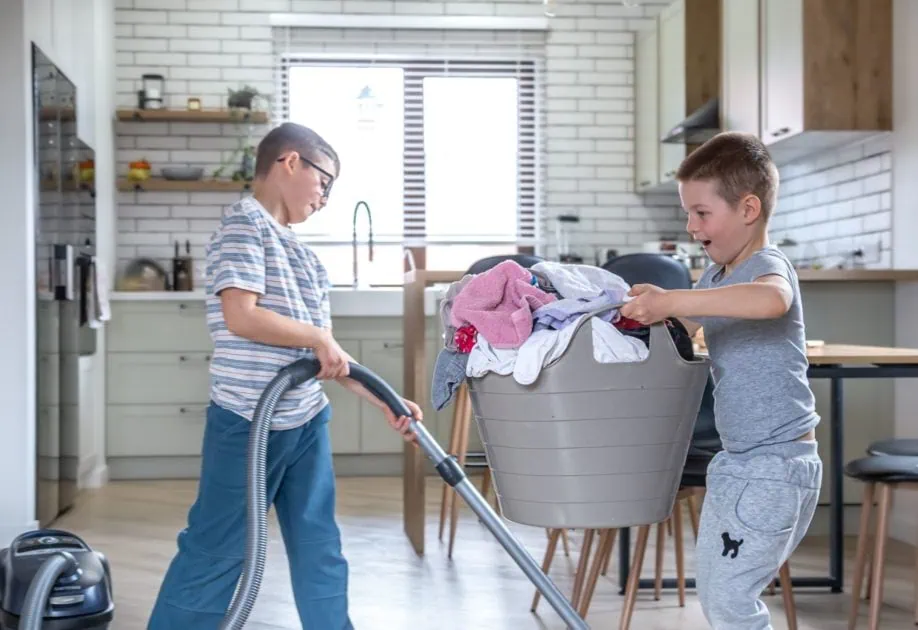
70	584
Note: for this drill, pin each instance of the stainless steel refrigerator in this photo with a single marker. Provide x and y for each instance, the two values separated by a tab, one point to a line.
64	257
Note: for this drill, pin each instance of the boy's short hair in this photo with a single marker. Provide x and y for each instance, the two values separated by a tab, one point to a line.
292	137
740	164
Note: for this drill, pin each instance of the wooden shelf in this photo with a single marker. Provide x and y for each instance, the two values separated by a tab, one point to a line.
200	185
190	115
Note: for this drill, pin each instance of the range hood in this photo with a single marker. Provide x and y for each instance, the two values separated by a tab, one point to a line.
700	126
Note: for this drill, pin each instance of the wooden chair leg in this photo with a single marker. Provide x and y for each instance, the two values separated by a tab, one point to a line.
553	536
680	558
860	558
658	567
565	541
582	565
634	576
693	514
606	543
463	447
879	554
787	592
448	492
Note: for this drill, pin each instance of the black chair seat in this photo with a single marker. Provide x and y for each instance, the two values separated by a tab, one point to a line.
486	264
888	468
900	446
696	470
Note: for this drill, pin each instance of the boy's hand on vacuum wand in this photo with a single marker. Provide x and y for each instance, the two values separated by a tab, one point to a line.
403	424
333	360
649	304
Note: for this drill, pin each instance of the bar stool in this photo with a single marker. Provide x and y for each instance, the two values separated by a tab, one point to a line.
895	446
883	473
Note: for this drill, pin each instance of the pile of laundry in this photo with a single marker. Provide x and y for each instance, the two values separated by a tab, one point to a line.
514	320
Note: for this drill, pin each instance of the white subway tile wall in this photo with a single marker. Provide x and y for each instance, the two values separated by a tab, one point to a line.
205	47
835	204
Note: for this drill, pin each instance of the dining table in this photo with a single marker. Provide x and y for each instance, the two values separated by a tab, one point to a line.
836	362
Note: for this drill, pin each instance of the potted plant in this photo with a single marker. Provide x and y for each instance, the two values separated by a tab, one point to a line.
243	98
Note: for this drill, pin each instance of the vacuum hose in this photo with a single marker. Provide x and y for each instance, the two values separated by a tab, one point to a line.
33	610
452	473
287	378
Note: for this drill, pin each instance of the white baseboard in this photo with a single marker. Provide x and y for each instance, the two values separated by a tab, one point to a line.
95	478
9	531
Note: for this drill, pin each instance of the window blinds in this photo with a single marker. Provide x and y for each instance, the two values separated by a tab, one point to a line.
423	54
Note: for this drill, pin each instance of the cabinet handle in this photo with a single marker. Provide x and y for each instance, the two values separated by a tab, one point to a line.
182	358
670	174
780	132
388	345
182	307
646	182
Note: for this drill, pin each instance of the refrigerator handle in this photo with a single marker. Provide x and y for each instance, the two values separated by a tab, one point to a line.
62	269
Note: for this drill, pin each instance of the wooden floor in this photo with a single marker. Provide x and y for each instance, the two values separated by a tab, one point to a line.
391	588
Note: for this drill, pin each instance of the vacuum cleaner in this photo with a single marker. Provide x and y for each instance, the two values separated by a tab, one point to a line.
52	580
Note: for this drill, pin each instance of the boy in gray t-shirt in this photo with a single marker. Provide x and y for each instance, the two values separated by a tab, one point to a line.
762	489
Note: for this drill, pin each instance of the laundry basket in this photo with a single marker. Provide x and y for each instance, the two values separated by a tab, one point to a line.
588	444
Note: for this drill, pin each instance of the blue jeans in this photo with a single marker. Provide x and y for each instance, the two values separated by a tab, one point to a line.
199	584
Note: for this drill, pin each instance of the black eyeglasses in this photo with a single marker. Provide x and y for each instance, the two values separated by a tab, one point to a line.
331	178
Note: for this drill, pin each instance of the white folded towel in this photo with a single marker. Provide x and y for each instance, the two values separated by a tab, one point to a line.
97	295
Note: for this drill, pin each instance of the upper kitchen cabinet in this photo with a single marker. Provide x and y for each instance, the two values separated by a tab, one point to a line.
826	73
677	89
672	60
739	92
647	123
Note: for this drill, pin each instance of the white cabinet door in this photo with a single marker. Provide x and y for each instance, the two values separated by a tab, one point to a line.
646	135
385	359
672	85
782	69
64	35
84	49
40	24
740	97
344	429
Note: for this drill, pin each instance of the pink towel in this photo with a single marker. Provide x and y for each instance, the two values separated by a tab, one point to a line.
499	304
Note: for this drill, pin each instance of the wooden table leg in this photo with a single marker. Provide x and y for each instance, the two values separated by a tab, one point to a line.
414	375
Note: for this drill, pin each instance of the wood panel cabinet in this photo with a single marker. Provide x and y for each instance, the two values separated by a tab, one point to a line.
826	73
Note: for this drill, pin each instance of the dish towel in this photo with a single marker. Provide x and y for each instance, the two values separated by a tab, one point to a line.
97	295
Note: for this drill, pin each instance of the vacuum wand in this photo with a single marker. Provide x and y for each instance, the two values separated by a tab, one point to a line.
452	473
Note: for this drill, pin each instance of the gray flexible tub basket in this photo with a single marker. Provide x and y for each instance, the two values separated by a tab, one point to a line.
588	444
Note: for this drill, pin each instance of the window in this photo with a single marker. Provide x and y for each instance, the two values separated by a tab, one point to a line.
444	152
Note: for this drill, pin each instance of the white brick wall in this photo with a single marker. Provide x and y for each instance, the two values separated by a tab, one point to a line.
204	47
836	203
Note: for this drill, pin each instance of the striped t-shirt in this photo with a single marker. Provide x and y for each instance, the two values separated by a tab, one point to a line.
250	250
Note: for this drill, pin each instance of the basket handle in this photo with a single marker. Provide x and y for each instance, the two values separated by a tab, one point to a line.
661	344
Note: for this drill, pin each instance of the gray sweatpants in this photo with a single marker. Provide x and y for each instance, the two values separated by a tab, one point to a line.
756	510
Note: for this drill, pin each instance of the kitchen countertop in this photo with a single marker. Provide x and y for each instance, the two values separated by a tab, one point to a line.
345	302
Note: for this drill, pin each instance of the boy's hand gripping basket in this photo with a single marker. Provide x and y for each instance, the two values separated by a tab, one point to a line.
591	445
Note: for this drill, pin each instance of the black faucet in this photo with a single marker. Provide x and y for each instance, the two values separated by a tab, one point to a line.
354	241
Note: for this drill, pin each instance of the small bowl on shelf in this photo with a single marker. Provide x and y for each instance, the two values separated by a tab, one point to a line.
183	173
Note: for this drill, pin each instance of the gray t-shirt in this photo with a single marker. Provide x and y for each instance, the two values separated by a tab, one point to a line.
761	390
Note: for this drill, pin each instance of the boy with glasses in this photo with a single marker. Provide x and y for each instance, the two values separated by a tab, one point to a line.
267	306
